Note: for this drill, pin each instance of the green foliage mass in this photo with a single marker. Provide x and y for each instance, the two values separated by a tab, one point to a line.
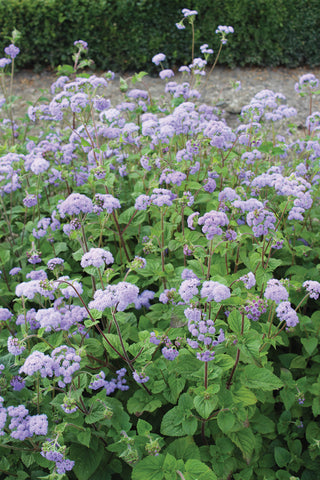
123	35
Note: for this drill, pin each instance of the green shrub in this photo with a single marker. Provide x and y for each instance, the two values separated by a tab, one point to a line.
124	35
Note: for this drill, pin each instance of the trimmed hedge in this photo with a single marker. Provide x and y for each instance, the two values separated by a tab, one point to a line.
123	35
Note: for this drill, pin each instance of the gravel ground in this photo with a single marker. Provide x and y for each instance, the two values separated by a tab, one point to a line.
29	86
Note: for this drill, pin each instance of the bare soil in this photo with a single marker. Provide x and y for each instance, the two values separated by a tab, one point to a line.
30	86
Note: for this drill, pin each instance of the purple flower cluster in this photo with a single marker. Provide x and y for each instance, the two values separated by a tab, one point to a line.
105	202
214	291
15	346
23	425
54	262
211	221
53	452
255	308
204	332
140	377
261	221
97	257
249	280
75	204
5	314
63	362
276	291
111	385
287	314
313	287
119	296
188	289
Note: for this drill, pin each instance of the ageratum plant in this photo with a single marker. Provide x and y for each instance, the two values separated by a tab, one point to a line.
159	283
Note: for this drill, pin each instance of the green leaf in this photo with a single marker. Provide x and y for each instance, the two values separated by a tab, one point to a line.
172	421
142	402
298	362
190	425
245	440
196	470
98	413
176	385
184	448
316	406
149	468
235	322
143	427
260	378
281	456
310	344
86	459
84	437
245	396
115	342
226	421
205	406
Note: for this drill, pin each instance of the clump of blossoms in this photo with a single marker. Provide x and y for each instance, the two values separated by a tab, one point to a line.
119	296
110	385
276	291
52	451
203	332
313	287
97	257
255	307
287	314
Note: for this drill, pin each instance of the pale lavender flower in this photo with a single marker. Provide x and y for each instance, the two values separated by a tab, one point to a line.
191	220
286	313
96	257
15	271
12	51
142	202
169	353
143	300
100	104
166	74
38	362
261	221
65	362
38	424
189	288
105	202
17	383
157	59
189	13
212	221
15	346
307	82
119	296
140	377
249	280
75	204
4	62
313	287
53	262
5	314
162	196
39	165
81	43
136	94
214	291
276	291
68	291
30	201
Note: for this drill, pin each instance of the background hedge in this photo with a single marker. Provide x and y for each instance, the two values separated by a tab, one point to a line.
123	35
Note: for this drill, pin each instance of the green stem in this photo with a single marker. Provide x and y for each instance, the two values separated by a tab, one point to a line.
229	382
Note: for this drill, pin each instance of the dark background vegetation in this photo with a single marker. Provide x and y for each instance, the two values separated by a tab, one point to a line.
123	35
